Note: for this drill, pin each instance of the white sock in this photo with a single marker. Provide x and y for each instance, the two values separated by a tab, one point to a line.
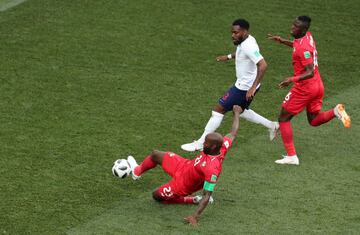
251	116
213	124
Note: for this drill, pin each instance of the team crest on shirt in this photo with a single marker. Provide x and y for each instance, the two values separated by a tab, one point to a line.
213	178
307	54
203	164
171	154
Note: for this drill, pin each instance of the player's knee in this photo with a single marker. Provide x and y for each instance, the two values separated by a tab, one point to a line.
313	123
156	196
157	156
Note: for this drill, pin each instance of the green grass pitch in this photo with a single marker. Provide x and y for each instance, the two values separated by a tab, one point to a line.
83	83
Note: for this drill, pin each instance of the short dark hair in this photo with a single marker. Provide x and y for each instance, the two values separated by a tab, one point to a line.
242	23
306	20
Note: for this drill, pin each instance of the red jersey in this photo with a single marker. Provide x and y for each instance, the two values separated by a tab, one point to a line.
304	53
192	176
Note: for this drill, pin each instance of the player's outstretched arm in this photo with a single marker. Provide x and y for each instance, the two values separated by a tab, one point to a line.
261	68
309	73
237	110
225	57
194	218
280	40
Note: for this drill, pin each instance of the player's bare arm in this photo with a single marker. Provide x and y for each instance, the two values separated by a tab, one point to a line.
226	57
261	68
237	110
280	40
309	73
194	218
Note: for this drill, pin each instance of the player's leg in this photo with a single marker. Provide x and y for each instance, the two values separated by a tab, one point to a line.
214	122
150	161
293	104
314	116
287	138
252	116
225	104
166	194
317	118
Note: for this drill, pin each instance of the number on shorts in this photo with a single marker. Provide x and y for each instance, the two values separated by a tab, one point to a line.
167	192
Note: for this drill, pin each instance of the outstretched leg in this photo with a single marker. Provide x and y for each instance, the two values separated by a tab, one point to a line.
252	116
214	122
319	118
151	161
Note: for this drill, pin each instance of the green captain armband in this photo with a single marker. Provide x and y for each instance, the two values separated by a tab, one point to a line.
209	186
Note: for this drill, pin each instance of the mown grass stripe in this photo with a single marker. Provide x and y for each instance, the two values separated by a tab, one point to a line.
7	4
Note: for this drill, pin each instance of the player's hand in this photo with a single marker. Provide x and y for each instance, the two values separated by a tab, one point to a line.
276	38
286	82
191	220
250	93
237	109
222	58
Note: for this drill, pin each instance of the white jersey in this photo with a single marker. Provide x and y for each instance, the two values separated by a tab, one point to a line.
246	58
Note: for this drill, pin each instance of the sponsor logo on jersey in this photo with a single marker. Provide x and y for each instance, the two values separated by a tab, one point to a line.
203	164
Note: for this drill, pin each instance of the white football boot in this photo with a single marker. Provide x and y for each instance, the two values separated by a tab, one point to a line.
197	199
273	132
289	160
192	147
340	113
133	164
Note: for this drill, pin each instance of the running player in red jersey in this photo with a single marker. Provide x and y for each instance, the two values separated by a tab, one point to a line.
190	176
307	91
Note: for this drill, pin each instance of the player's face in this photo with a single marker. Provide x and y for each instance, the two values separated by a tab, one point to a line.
237	34
297	29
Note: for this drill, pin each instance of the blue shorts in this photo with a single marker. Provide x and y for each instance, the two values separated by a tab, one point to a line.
234	96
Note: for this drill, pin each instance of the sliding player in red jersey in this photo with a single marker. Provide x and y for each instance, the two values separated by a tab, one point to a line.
307	91
190	176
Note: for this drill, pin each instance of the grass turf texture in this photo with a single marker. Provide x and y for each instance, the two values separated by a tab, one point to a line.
84	83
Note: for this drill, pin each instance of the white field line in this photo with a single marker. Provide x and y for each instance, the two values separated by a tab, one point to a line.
9	4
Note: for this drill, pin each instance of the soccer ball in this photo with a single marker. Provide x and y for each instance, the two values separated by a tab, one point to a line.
121	168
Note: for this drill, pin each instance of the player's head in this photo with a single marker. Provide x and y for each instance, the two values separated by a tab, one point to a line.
213	143
300	26
239	31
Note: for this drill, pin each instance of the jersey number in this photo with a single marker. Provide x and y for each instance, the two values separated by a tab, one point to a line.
315	58
287	97
197	160
315	52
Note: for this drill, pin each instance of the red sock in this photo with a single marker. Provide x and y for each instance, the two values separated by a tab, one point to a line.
147	164
323	117
287	137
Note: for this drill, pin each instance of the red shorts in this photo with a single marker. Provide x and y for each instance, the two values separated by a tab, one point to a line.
167	191
308	95
171	164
